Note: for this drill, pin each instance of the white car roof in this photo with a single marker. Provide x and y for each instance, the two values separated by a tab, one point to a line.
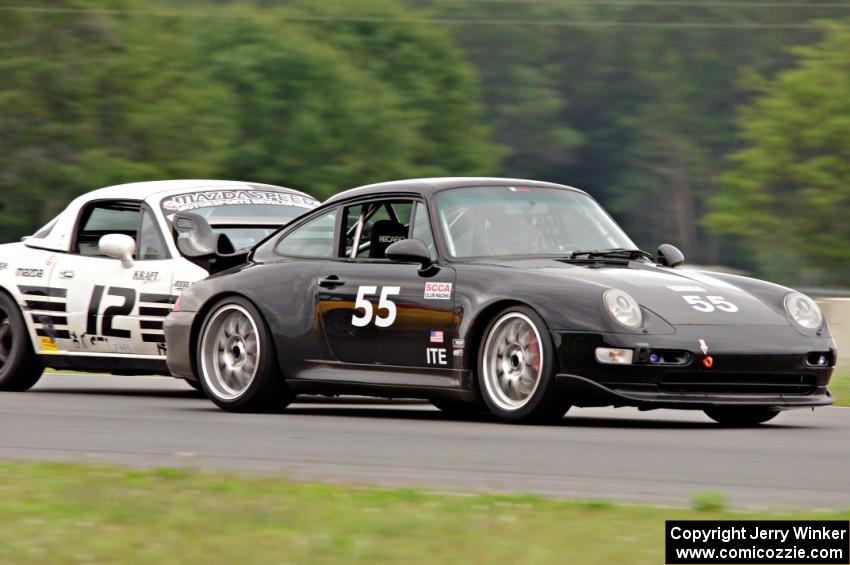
144	190
59	236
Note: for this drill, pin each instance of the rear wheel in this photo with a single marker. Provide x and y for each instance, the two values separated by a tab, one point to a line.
741	417
238	367
20	367
516	368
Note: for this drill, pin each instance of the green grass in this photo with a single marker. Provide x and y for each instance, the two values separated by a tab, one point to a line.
63	513
840	386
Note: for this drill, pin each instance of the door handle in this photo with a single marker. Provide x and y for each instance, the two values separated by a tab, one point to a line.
331	282
66	274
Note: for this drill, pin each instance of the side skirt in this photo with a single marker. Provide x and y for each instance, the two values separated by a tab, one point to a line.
114	365
336	388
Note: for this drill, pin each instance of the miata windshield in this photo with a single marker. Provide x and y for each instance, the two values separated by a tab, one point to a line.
485	221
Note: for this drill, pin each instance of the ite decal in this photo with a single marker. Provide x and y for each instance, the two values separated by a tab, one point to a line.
438	291
436	356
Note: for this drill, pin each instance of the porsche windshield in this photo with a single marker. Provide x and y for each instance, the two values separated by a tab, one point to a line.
485	221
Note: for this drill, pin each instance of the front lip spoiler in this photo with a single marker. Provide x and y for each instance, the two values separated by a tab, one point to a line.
583	392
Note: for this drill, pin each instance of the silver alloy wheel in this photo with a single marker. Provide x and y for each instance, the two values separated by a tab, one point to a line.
230	351
512	361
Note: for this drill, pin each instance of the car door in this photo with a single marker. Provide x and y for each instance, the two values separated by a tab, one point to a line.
113	308
383	313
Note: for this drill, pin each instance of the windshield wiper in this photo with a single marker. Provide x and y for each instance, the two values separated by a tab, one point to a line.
615	252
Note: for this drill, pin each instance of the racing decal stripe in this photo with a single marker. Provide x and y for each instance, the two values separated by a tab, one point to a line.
160	312
153	338
150	324
49	306
157	298
43	291
45	319
56	334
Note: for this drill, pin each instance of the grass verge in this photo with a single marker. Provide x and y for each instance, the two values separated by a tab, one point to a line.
68	513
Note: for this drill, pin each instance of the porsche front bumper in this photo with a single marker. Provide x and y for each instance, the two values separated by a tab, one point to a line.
752	366
178	333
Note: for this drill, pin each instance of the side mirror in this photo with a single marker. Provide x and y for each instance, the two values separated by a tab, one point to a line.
669	255
118	246
410	251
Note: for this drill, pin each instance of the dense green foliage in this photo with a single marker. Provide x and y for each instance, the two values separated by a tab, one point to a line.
643	111
789	190
94	98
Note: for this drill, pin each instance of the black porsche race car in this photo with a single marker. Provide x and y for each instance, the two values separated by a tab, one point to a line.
521	296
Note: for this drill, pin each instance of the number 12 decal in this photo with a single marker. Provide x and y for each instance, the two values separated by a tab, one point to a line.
383	304
129	296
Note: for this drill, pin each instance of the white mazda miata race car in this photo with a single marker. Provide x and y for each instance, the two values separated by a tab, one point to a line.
89	291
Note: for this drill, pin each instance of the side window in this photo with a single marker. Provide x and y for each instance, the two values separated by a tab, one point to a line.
372	227
150	245
422	229
101	218
313	239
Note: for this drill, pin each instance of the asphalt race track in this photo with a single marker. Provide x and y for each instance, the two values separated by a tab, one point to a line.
801	460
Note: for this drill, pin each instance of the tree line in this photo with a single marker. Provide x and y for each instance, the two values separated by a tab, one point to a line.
722	129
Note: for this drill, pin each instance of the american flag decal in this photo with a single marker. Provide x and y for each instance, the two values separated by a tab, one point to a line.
436	336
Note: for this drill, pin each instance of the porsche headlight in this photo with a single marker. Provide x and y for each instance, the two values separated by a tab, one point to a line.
803	310
623	308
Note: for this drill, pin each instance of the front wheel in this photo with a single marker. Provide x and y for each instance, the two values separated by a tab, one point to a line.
516	368
741	417
238	366
20	367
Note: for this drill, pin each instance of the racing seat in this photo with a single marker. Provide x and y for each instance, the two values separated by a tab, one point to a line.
384	234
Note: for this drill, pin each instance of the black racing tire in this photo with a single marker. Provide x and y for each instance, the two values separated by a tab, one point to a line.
237	364
516	381
20	367
194	384
741	416
458	407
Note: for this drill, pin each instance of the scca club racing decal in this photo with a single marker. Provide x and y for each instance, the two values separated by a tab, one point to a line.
438	291
210	198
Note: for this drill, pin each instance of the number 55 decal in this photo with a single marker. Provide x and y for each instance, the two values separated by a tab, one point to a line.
709	303
383	304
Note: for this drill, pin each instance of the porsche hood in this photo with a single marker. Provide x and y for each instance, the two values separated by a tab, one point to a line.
680	296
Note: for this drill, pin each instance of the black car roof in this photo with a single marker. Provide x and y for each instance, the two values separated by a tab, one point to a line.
427	186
